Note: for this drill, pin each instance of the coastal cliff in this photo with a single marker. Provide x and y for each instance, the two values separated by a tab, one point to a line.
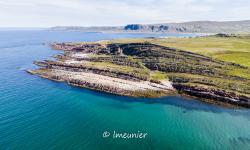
146	70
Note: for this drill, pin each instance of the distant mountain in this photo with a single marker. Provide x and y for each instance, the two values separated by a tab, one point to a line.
185	27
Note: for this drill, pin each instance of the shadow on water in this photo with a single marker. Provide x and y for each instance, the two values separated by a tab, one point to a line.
187	104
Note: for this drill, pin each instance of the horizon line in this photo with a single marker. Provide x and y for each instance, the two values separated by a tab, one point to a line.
14	27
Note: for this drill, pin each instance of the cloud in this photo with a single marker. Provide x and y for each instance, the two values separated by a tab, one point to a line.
112	12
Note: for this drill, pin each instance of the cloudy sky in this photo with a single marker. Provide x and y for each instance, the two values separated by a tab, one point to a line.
46	13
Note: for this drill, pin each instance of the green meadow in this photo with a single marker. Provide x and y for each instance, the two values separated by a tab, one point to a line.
234	49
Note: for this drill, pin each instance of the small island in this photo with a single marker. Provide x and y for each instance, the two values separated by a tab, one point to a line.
150	68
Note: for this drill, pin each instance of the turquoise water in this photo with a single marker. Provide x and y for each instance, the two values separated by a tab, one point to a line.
36	113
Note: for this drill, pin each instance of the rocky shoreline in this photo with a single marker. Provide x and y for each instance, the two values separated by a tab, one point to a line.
214	94
124	87
143	70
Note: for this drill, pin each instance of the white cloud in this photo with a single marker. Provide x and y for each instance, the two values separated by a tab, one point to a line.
115	12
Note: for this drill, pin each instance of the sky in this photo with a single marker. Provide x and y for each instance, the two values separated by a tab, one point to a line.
48	13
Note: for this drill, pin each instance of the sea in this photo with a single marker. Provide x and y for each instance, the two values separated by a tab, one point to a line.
39	114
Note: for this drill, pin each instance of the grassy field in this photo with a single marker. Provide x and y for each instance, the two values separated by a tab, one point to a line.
231	49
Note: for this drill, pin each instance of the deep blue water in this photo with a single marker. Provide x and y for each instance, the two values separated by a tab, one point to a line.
36	113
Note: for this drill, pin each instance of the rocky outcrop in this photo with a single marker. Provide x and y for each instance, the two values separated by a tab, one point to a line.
84	68
215	94
80	47
125	87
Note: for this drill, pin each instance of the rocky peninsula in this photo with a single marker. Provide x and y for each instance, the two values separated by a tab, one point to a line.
143	69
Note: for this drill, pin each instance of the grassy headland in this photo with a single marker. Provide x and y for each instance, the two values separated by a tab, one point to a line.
213	67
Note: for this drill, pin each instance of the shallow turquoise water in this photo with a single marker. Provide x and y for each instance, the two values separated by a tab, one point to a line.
37	113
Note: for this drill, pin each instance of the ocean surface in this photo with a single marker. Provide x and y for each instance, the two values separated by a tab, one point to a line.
37	113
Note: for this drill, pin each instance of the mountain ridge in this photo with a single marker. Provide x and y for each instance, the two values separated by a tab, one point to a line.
182	27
